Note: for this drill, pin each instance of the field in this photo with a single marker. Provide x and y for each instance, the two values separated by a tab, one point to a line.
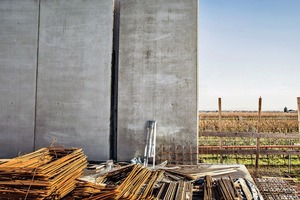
271	122
272	147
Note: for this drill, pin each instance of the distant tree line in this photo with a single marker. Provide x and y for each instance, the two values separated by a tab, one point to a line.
286	110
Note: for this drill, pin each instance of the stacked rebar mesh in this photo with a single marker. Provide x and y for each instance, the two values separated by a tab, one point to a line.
129	182
48	173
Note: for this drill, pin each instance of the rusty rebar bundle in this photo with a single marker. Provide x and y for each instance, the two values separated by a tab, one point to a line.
48	173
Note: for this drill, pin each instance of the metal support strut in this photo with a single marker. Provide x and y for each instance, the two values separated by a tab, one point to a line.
150	143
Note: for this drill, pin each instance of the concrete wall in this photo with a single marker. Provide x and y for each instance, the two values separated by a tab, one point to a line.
55	75
157	74
74	75
18	53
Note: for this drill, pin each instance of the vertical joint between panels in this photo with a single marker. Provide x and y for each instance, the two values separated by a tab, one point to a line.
36	75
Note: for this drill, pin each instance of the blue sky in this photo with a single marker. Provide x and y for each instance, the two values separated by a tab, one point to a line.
247	49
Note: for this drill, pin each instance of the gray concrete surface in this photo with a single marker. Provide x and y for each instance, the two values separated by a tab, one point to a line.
157	74
74	75
70	52
18	52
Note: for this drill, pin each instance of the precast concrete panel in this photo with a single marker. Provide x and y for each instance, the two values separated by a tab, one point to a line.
157	74
18	53
74	75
